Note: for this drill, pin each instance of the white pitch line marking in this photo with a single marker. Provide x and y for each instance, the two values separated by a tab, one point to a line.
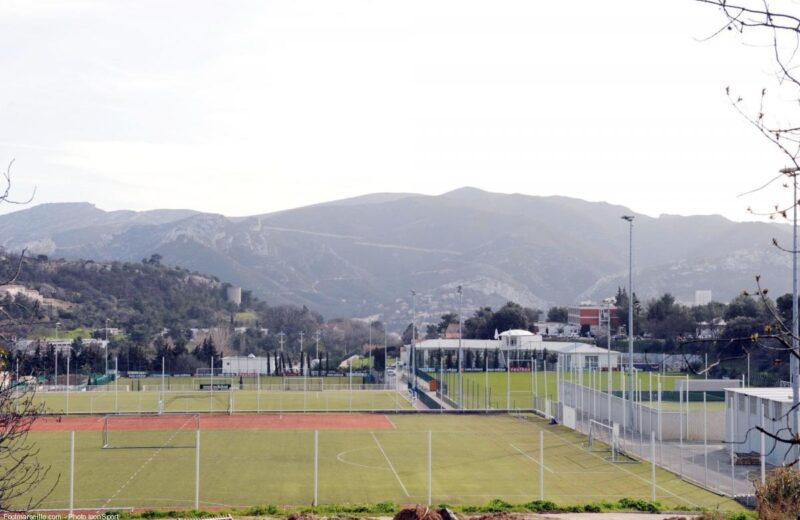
340	458
531	458
391	466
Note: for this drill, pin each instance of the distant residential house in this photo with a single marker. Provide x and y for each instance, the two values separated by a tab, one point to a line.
712	329
591	317
62	346
452	331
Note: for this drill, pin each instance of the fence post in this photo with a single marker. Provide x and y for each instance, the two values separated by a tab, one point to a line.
705	439
316	467
763	447
197	469
653	462
430	468
680	429
71	473
541	464
733	456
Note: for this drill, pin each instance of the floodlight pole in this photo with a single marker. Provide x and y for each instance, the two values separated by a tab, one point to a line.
69	355
106	333
608	358
794	363
460	350
629	219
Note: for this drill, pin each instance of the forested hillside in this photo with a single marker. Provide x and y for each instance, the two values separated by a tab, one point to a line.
160	311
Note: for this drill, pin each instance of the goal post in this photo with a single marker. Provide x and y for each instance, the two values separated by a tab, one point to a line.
152	431
604	438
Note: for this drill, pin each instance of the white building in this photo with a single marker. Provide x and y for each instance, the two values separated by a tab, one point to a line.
749	408
584	356
702	297
234	295
62	346
245	365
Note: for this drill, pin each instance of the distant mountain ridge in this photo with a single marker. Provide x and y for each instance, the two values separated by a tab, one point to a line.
362	256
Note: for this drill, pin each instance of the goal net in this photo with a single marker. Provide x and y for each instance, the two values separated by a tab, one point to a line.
121	431
604	438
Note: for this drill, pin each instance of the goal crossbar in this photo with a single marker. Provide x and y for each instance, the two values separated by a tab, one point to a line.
604	438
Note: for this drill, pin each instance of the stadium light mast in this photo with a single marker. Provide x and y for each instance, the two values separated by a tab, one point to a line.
629	219
608	302
794	363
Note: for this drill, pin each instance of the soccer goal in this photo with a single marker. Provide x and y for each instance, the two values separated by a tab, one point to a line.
212	383
129	431
604	438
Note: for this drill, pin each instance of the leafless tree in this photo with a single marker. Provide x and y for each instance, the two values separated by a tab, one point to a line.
21	472
776	25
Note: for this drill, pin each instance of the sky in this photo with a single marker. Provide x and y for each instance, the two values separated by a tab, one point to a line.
244	108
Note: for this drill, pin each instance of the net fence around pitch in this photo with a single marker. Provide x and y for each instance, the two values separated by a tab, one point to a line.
226	401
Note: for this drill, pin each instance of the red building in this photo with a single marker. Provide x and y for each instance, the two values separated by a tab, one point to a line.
591	317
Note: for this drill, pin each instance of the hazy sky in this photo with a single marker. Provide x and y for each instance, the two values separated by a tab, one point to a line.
251	107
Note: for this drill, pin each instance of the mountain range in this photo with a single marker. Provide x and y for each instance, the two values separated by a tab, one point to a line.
361	257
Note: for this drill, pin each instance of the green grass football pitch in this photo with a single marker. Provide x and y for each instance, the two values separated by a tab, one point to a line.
524	385
475	458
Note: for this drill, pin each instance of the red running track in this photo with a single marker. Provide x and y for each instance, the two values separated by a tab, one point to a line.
218	422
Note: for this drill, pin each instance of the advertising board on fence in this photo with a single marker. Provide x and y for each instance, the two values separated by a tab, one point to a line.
215	386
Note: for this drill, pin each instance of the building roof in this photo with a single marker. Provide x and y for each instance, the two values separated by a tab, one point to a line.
780	394
560	347
516	332
452	344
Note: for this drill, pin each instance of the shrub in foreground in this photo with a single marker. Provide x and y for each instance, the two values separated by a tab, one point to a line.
779	497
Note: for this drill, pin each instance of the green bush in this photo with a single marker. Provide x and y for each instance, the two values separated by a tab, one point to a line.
541	506
266	510
639	505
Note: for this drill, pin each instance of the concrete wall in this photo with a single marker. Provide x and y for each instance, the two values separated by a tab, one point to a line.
669	426
707	385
